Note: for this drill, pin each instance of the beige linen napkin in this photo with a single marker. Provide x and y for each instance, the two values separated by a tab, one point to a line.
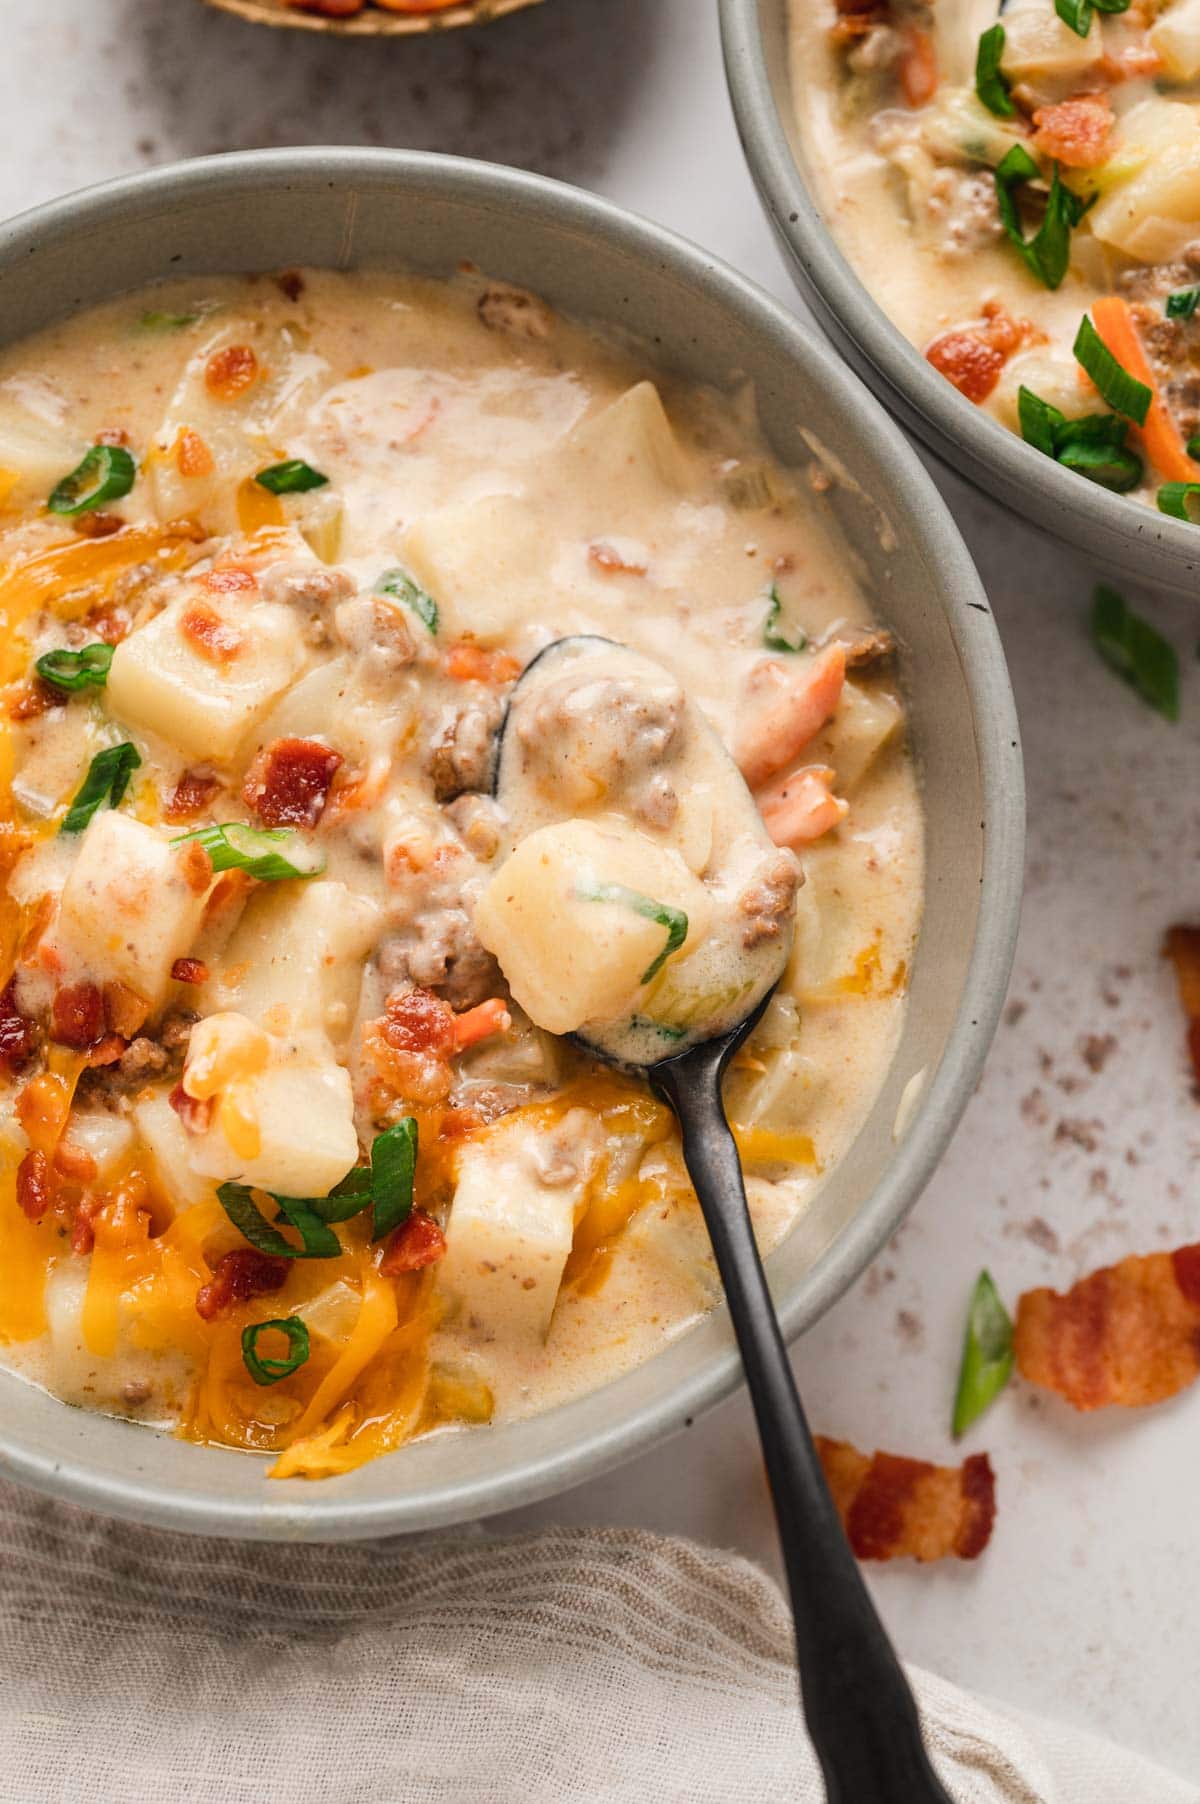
608	1666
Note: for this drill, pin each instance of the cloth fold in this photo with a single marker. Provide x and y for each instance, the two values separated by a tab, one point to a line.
577	1666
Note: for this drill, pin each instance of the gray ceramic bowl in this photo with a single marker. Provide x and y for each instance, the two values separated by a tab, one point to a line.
345	208
1117	532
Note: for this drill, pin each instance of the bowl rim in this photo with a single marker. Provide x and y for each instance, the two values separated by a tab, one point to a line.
938	412
997	737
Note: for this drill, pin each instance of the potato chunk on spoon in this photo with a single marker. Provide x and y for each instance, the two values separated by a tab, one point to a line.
644	909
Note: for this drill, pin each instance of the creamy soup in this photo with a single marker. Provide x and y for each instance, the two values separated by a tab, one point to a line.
411	694
1019	187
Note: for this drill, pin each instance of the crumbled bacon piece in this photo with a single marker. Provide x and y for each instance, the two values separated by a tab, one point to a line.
194	1112
1183	949
1127	1334
189	970
237	1277
112	435
33	1185
230	372
1076	132
467	662
967	360
77	1015
110	623
893	1507
192	455
107	1050
288	782
190	797
419	1021
74	1163
124	1010
195	866
83	1230
417	1242
18	1037
231	579
97	524
35	698
289	281
214	638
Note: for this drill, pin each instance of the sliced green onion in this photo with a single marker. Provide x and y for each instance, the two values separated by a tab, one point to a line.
673	919
1039	420
1093	446
1181	304
347	1199
393	1168
320	1242
293	477
155	321
773	640
1123	392
991	84
106	782
1078	13
661	1028
1173	497
400	584
1048	252
73	670
1136	651
257	851
1113	467
1193	445
987	1360
269	1371
106	473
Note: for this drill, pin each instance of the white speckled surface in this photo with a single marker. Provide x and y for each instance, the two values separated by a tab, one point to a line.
1084	1141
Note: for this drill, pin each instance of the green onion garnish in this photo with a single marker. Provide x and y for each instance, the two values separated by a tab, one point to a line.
1193	446
1136	651
73	670
1048	252
393	1167
106	473
1078	13
1123	392
293	477
1173	497
673	919
154	321
1094	446
400	584
257	851
990	84
987	1360
319	1241
774	641
659	1027
270	1371
106	782
1181	304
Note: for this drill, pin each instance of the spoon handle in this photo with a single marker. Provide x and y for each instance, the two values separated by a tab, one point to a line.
860	1711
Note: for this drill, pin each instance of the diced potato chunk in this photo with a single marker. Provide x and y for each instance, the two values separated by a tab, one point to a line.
296	958
476	558
127	910
1153	214
518	1195
1176	37
631	446
867	720
286	1126
165	1138
106	1139
570	956
1040	48
159	680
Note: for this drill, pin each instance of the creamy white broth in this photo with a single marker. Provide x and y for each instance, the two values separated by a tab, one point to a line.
496	479
906	181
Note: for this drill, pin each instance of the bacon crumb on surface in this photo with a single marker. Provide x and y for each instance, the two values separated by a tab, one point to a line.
35	698
237	1277
214	638
77	1015
189	970
417	1242
194	1112
230	372
33	1185
893	1507
190	797
288	783
1128	1334
1076	132
18	1036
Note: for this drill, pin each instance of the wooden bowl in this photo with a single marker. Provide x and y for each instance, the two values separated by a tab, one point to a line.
372	22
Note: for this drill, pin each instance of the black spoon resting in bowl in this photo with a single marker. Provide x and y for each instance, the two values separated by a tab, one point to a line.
860	1711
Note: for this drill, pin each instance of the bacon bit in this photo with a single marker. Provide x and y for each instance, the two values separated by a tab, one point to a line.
1128	1334
967	360
459	1124
231	579
288	782
34	699
112	435
72	1162
107	1051
607	558
289	281
33	1185
195	867
466	662
192	455
893	1507
189	970
110	624
918	66
237	1277
417	1242
99	525
191	796
195	1113
418	1021
1076	132
77	1015
18	1036
1182	947
212	637
83	1231
124	1010
230	372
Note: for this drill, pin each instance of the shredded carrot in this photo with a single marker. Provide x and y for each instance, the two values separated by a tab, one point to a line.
1160	435
918	66
479	1023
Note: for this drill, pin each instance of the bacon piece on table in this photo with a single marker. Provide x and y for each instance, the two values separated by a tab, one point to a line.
893	1507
